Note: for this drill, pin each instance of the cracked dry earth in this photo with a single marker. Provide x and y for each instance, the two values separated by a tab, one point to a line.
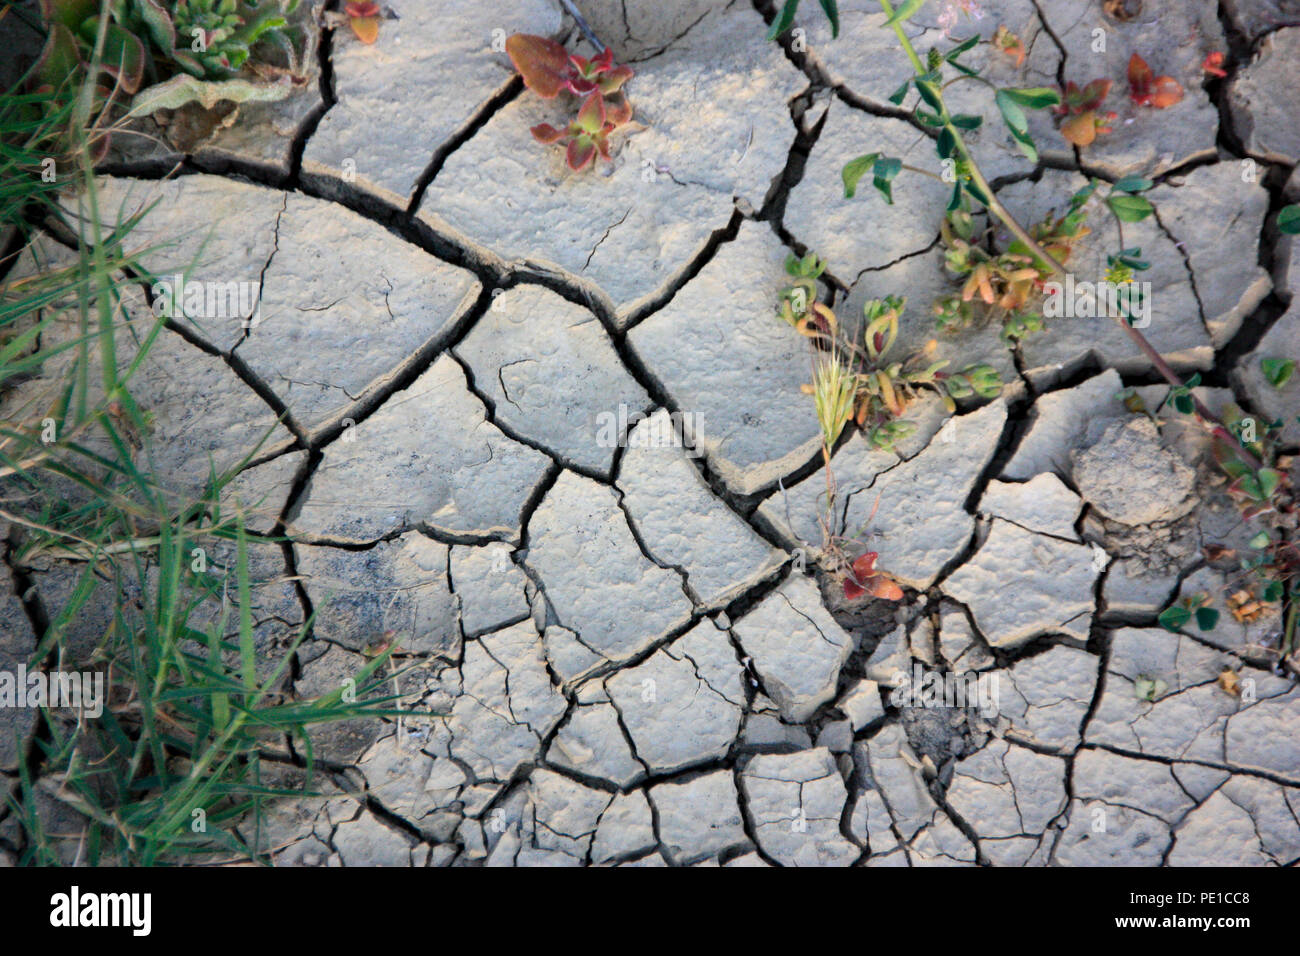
628	661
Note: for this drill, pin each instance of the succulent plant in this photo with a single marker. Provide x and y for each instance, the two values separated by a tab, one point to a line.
220	33
586	136
548	69
1147	89
1082	107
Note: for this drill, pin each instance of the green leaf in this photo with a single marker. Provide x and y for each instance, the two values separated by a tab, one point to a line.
1206	618
1173	618
1017	123
854	170
1129	208
832	14
888	167
1277	371
947	143
1133	184
904	11
1084	194
955	202
1260	541
783	19
885	170
1273	592
1288	220
961	48
1032	98
930	93
1011	112
978	192
1184	404
966	121
900	94
1268	481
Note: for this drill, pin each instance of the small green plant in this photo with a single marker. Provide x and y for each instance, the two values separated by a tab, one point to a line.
856	382
1177	616
168	53
548	69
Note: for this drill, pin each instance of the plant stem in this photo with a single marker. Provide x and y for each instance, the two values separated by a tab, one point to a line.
582	25
995	207
910	50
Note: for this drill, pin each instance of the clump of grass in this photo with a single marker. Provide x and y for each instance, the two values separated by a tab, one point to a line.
173	768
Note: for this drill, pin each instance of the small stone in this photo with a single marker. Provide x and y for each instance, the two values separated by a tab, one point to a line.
861	703
1122	471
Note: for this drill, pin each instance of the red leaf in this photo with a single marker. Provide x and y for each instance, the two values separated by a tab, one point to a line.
366	28
853	590
546	133
543	63
1080	130
1168	92
618	110
362	8
581	152
613	80
864	566
1140	79
1094	94
1213	64
884	588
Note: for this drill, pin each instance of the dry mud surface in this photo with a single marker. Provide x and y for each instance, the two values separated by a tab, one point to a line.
630	658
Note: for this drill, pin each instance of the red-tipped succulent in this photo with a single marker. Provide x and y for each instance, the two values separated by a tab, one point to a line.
548	69
1147	89
585	136
863	578
1083	107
